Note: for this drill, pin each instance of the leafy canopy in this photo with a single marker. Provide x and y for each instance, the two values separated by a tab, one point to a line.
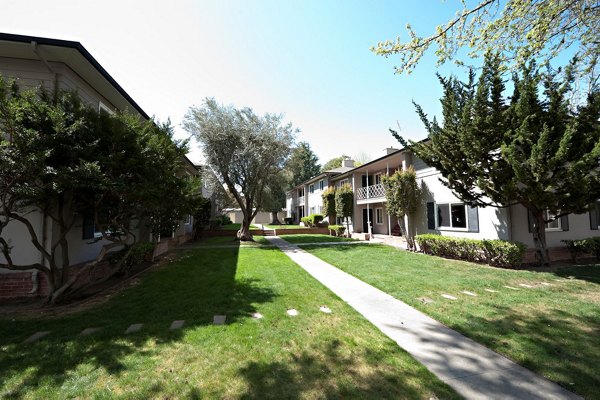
303	164
518	29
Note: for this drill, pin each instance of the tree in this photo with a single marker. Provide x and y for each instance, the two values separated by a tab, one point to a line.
540	152
402	195
303	164
68	162
243	149
518	29
344	203
274	196
328	197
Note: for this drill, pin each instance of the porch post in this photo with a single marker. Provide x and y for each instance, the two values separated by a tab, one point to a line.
368	197
387	172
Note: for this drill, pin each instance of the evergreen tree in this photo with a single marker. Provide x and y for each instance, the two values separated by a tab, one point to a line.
402	195
303	164
535	150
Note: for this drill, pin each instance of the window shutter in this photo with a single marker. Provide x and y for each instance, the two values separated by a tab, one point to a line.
87	229
473	219
564	222
430	215
530	221
594	218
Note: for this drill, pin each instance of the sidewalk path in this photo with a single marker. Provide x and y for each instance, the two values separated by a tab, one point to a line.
473	370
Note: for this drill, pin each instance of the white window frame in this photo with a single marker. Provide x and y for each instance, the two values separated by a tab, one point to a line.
379	213
557	228
451	228
342	182
311	188
321	184
311	210
377	178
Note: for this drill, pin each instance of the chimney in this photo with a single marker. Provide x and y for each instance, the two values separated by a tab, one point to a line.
348	162
390	150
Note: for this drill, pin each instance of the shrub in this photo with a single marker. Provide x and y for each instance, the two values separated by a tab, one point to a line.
225	220
494	252
312	220
579	247
337	230
328	197
215	223
138	253
305	220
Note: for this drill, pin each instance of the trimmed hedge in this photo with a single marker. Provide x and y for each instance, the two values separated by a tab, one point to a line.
494	252
312	220
579	247
338	230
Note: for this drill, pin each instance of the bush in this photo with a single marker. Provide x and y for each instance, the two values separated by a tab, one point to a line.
215	223
312	220
579	247
288	220
494	252
337	230
138	253
225	220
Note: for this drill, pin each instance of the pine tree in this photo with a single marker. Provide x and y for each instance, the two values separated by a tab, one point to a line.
536	150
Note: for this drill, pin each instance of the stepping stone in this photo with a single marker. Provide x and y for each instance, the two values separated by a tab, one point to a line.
36	336
292	312
469	293
546	284
219	319
325	309
490	290
447	296
510	287
134	328
525	285
176	324
426	300
89	331
257	315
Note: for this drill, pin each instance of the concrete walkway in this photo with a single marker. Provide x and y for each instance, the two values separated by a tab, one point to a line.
473	370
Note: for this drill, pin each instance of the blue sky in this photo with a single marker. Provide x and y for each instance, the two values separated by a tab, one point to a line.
309	60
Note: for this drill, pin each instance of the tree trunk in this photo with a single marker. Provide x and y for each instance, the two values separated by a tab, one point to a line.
410	241
347	227
244	233
539	239
275	218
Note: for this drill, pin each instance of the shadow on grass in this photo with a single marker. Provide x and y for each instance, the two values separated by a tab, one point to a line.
195	288
561	345
331	371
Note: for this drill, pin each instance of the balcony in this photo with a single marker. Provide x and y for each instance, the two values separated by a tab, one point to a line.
300	201
370	194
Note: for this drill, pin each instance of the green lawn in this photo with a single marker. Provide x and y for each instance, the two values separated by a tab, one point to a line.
551	328
231	241
285	226
313	355
314	238
235	227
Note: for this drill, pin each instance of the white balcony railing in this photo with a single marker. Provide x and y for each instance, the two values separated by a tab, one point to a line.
300	201
370	192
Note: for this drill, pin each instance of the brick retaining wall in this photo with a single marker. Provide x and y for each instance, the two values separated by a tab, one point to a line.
302	231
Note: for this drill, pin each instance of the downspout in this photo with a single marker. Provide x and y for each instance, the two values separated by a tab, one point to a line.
37	52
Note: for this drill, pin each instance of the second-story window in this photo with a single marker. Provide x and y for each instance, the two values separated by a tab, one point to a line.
311	188
321	184
377	179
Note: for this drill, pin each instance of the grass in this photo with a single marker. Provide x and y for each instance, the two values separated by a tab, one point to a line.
314	238
313	355
285	226
551	329
235	227
231	241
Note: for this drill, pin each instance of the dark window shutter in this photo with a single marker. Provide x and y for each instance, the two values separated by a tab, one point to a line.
473	219
564	222
430	215
87	228
530	221
594	217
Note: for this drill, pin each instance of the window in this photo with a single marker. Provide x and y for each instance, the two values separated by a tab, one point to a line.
311	188
300	192
453	215
379	216
321	184
319	210
552	225
188	219
312	210
377	179
343	182
595	216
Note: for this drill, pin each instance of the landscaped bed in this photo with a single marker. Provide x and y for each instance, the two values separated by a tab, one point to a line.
312	355
548	322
